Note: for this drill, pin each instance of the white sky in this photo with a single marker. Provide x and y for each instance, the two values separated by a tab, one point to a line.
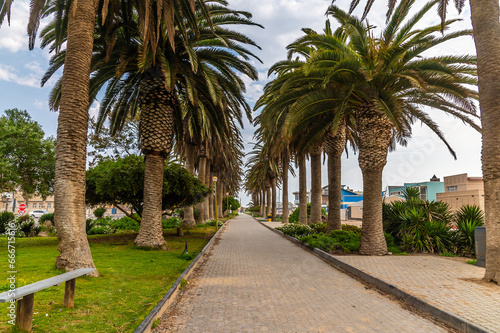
21	71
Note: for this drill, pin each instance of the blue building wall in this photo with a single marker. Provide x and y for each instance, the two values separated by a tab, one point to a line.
348	197
432	188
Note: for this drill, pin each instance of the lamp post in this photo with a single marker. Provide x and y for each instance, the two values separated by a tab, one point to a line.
215	195
227	204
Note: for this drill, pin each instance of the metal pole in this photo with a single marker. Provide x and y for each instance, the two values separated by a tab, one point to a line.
216	220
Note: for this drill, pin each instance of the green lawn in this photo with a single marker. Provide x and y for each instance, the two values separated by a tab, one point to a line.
131	281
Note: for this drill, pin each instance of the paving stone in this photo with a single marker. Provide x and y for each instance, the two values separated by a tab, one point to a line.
445	283
254	280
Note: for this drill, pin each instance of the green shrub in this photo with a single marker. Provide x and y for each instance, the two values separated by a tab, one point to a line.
296	230
47	217
196	213
432	236
255	209
171	222
89	223
466	220
99	212
125	223
347	241
102	226
353	228
294	217
419	225
27	227
212	223
5	219
101	230
318	227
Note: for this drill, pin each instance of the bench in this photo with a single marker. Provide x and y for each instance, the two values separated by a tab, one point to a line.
25	295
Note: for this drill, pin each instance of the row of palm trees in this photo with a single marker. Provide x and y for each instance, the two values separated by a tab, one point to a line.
175	63
347	87
486	30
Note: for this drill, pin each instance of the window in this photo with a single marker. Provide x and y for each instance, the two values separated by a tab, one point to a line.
34	205
49	205
40	205
423	192
451	188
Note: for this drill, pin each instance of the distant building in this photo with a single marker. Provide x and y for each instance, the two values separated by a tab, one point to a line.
11	201
296	198
460	190
428	190
348	196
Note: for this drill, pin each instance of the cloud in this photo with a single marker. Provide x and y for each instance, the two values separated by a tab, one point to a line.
9	74
14	37
39	104
94	110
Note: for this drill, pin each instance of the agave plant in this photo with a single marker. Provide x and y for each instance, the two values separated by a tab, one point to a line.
467	219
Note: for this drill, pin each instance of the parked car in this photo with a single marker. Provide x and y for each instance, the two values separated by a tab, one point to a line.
38	213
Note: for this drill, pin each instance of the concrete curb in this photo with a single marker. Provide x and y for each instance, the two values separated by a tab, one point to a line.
170	296
449	318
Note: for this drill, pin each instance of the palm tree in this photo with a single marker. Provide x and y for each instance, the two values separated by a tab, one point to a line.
202	68
486	30
390	84
73	115
69	187
377	86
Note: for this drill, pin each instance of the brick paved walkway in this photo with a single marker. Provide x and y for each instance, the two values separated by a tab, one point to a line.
445	283
254	280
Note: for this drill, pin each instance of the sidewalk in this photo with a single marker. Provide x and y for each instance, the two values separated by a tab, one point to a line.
254	280
447	284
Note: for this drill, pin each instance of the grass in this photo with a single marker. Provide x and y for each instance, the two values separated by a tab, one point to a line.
131	280
471	262
447	254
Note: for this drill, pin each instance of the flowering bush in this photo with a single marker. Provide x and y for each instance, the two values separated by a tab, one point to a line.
171	222
296	230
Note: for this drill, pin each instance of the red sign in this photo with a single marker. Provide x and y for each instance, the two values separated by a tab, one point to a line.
22	207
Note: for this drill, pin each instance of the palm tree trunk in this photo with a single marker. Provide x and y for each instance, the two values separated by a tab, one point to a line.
202	162
334	193
372	233
156	130
374	131
263	203
220	190
486	28
334	146
284	177
316	186
207	198
151	232
211	214
189	221
273	203
302	190
71	149
269	200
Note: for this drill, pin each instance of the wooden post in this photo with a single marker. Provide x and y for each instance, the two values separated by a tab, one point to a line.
69	293
24	312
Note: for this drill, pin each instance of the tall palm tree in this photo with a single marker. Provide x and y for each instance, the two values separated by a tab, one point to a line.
486	30
390	83
73	116
378	86
69	187
201	65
